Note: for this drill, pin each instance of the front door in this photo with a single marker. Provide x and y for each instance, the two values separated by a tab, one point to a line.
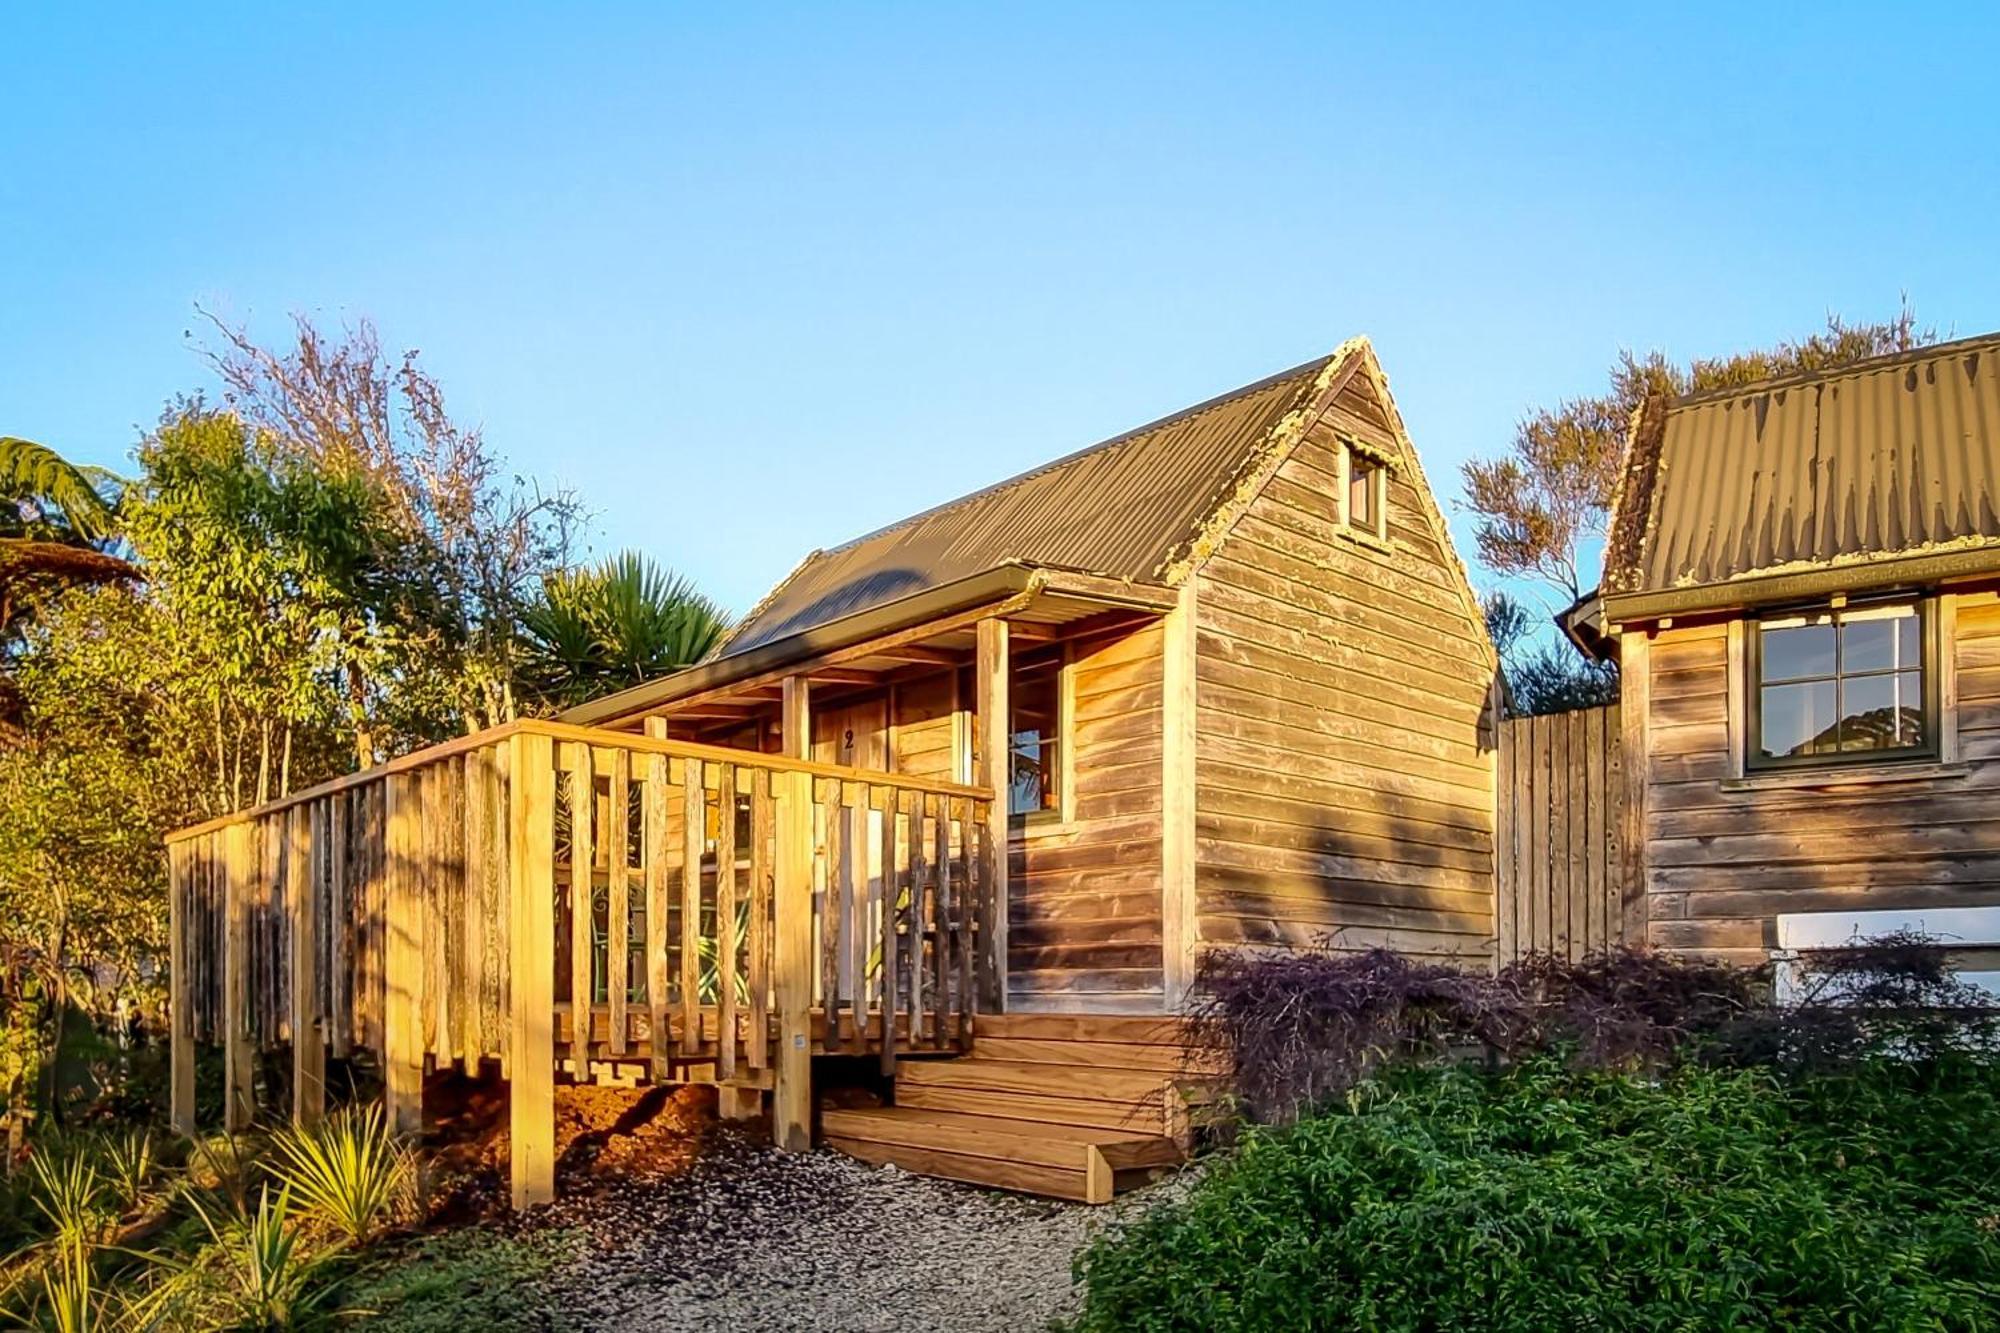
855	735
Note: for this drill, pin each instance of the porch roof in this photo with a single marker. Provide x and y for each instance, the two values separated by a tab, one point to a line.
909	629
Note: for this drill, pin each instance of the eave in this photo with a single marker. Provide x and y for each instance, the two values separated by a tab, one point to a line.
1921	569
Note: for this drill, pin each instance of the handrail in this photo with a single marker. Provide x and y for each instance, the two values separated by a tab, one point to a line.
564	731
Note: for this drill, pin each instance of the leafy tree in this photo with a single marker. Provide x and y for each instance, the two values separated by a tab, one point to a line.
1540	508
432	589
604	627
237	538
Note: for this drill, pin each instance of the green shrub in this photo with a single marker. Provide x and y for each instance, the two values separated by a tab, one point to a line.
1551	1198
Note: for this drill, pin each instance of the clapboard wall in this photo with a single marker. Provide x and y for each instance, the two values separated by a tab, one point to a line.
1726	854
1344	779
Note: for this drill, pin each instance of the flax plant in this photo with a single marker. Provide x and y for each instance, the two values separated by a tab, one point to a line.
348	1174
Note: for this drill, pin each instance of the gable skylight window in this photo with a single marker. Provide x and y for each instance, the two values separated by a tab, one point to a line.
1842	684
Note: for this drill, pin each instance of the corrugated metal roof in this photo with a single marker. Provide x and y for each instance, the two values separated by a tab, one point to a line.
1119	508
1889	457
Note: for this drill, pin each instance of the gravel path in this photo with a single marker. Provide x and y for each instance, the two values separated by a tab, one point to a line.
752	1238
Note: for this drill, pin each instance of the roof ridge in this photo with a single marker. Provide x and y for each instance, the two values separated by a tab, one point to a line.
1843	371
1040	469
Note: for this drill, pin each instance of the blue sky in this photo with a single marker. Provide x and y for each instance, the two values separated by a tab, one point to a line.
755	279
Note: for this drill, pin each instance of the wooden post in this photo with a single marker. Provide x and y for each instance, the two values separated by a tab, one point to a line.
1179	926
402	1018
304	855
1635	701
239	1104
181	1001
795	718
531	866
994	773
791	1100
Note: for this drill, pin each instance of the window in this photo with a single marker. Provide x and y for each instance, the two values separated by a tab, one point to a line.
1034	739
1364	491
1842	684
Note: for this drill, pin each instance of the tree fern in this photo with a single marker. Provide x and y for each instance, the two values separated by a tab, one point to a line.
75	495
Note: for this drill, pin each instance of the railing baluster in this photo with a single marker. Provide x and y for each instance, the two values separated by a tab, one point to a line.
403	960
761	833
917	915
694	837
940	810
618	913
885	798
452	901
422	886
306	834
506	812
582	890
656	910
971	828
832	906
725	921
860	885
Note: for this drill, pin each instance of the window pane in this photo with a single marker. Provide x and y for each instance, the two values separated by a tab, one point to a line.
1879	643
1033	697
1799	719
1361	493
1797	651
1882	712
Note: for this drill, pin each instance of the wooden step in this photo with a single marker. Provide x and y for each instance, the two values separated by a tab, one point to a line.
1145	1029
1086	1164
969	1091
1131	1087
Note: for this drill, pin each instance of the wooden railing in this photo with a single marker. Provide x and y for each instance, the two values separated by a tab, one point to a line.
723	914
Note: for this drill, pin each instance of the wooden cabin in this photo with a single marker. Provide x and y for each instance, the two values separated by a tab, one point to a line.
1802	588
966	796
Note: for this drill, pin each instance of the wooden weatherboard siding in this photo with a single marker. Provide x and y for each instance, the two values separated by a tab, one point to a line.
1341	684
1084	892
1723	859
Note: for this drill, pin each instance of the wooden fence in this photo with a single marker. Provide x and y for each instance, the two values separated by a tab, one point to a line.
541	891
1559	866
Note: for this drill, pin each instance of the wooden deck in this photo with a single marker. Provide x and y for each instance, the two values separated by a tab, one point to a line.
715	905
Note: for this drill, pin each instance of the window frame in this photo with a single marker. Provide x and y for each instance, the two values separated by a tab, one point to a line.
1061	812
1376	531
1930	653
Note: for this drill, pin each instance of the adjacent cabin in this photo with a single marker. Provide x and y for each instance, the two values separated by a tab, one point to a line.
1802	590
966	796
